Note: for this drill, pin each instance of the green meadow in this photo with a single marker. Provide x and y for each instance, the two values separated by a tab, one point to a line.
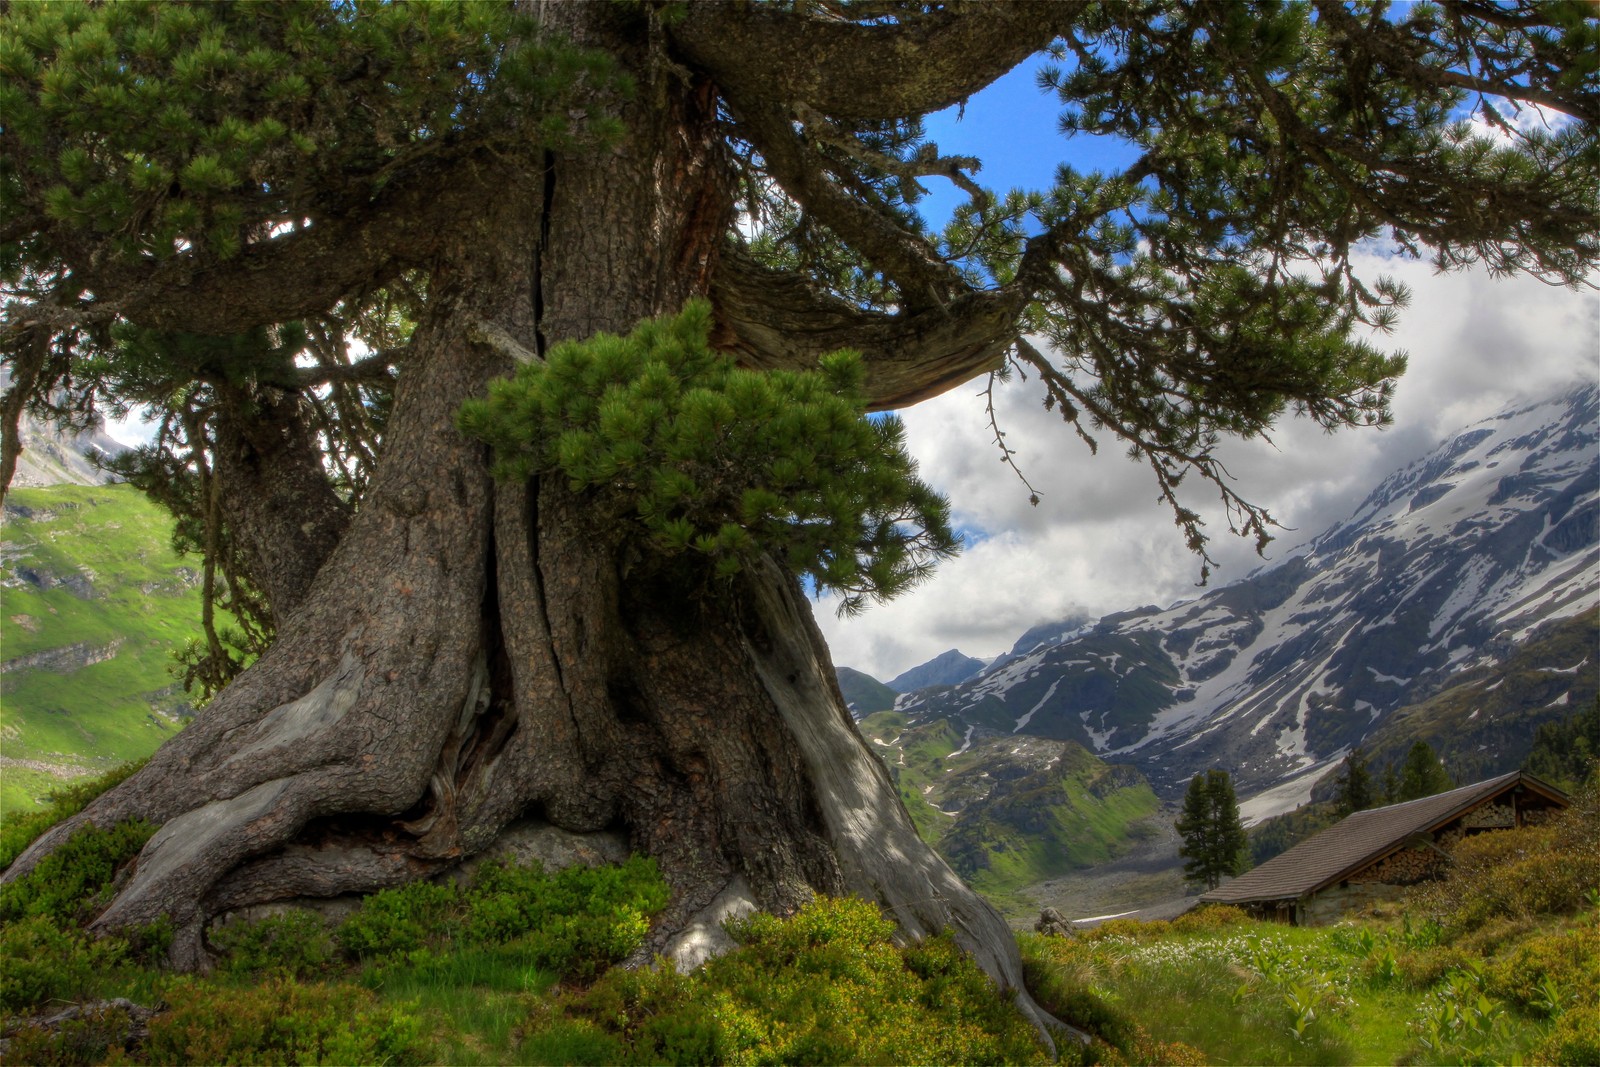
92	585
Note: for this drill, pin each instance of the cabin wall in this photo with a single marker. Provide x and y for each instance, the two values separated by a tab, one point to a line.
1333	903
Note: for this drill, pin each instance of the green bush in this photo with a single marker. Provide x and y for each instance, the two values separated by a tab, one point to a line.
297	942
699	456
95	1036
74	881
395	923
1515	874
20	831
573	922
1574	1039
826	986
1208	918
575	1042
280	1021
1546	974
39	962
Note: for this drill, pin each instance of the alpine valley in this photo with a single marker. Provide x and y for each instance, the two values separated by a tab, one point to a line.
1456	605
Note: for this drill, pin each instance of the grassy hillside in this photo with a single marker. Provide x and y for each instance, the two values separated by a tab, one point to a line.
1066	818
1010	811
1499	963
864	694
94	602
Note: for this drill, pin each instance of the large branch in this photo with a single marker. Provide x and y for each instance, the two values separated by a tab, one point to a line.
298	274
922	278
761	54
775	320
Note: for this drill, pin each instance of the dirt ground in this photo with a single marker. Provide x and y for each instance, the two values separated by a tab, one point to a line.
1148	881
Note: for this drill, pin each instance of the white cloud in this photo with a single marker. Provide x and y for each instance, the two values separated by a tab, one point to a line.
1101	542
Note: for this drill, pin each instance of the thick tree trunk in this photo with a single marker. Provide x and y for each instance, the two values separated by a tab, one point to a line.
472	654
276	495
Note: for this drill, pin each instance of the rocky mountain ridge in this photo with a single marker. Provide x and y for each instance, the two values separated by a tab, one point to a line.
948	668
1444	571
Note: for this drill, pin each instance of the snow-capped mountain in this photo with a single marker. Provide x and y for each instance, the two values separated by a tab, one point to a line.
1447	566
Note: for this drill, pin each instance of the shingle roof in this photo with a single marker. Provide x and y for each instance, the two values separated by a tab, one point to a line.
1358	840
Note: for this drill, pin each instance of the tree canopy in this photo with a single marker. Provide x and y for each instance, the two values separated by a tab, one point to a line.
1355	787
1421	774
217	169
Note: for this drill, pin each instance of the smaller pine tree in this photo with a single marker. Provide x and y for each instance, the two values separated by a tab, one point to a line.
1355	784
1421	774
699	457
1565	752
1214	840
1391	785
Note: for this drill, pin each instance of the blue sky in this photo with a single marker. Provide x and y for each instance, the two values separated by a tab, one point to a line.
1100	541
1011	126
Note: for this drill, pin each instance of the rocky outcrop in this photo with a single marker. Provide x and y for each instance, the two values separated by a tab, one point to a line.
65	659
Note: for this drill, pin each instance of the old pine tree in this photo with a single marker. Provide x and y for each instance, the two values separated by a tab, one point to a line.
200	205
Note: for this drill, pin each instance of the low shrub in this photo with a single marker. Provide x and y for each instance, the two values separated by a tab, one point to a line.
74	881
395	923
1208	918
574	922
40	962
280	1021
826	986
298	942
99	1035
1422	967
1519	874
578	1043
1575	1038
1545	975
22	830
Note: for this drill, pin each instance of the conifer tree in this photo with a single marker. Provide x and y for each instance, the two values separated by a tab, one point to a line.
1421	773
1215	845
1355	784
1565	752
1391	785
205	206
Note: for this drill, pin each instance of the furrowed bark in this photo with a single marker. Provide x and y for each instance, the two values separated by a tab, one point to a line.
866	71
279	503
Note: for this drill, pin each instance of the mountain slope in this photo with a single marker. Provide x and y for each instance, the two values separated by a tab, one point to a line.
1447	567
95	600
947	668
1008	812
864	694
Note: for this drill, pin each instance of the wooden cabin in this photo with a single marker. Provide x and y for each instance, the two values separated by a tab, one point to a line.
1373	855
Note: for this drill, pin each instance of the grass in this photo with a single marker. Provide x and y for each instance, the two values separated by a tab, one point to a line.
502	970
1083	829
1499	962
1263	993
91	567
477	1002
1492	965
1013	831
